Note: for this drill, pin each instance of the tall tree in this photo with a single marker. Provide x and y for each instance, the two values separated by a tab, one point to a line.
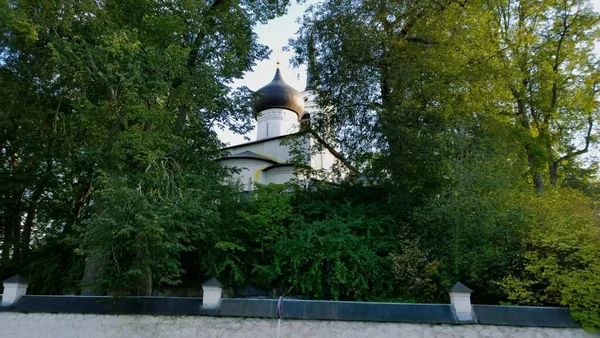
548	64
461	103
119	99
408	80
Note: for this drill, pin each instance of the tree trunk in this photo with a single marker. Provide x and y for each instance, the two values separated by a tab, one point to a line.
523	119
91	277
145	282
553	171
12	228
27	227
91	282
84	197
23	247
538	181
7	239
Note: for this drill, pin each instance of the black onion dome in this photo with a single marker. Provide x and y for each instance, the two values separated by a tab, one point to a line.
278	94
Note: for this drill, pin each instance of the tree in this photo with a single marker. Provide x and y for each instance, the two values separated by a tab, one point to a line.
246	246
473	227
560	263
324	242
407	81
407	78
120	92
458	104
331	258
548	65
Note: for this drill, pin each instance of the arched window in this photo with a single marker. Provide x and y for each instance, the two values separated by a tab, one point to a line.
305	121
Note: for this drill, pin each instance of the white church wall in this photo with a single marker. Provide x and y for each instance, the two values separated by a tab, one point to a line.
278	175
272	149
322	160
310	104
276	122
250	170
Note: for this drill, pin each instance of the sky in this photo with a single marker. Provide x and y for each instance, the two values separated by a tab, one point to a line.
276	34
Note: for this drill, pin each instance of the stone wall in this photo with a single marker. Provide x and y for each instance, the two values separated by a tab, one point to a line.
14	325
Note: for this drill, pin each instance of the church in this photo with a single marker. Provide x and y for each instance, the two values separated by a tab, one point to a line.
285	145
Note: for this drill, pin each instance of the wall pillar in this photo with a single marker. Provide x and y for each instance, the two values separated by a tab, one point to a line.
460	298
211	293
14	288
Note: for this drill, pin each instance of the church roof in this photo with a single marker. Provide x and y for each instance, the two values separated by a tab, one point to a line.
279	165
311	132
257	141
249	155
278	94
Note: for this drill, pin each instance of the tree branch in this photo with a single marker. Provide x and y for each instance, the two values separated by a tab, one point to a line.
587	144
334	152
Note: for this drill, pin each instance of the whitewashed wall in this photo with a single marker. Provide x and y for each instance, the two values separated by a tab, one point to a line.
278	175
276	122
15	325
269	148
310	104
323	160
250	170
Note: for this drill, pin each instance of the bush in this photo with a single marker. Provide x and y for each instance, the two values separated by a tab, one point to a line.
561	260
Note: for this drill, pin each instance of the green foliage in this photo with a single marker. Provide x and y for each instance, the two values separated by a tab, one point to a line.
449	110
473	226
329	259
461	106
331	242
248	246
54	269
413	269
386	67
547	64
141	234
107	113
561	260
265	212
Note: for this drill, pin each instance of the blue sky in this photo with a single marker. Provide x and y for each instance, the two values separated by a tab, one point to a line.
275	35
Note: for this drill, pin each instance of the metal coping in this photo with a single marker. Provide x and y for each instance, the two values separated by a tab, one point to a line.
297	309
